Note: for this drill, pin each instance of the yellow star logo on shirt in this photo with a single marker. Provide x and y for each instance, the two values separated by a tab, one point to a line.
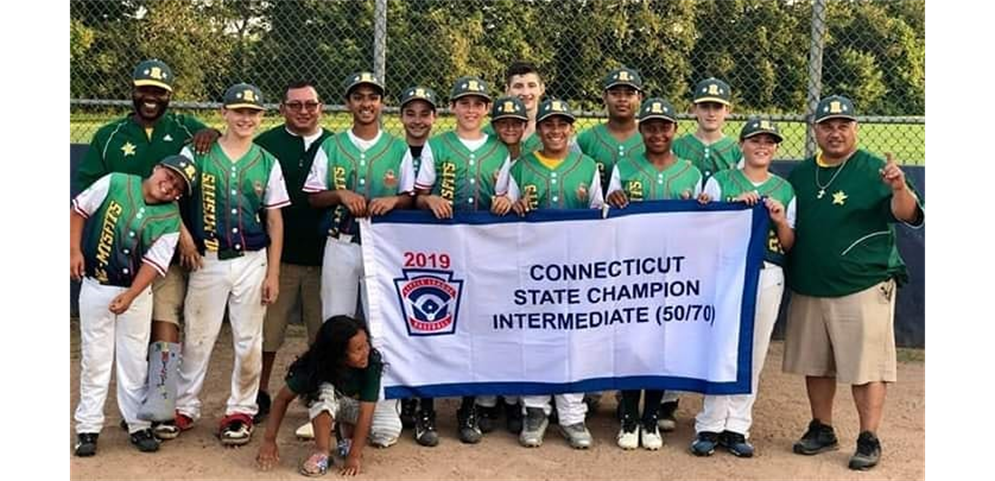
128	148
839	197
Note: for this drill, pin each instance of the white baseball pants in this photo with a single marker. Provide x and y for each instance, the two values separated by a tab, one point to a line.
569	407
342	278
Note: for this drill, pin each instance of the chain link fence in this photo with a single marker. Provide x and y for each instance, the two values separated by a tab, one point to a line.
778	56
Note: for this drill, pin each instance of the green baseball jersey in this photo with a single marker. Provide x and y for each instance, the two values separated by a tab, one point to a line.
531	144
641	180
382	170
709	159
599	144
303	239
574	184
227	202
467	178
123	231
845	238
124	146
728	184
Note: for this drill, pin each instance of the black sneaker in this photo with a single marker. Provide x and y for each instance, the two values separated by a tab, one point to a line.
513	418
737	444
409	412
818	439
86	444
467	422
425	433
704	444
868	452
667	421
145	441
488	418
264	403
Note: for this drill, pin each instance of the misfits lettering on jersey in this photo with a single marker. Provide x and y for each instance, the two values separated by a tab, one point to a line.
429	300
635	190
447	190
106	242
210	211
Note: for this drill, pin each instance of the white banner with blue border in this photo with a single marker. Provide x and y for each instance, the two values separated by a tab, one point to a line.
657	295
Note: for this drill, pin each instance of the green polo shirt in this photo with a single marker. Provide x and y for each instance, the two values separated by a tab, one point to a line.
360	384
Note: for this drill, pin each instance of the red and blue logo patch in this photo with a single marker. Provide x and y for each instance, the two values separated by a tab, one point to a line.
429	300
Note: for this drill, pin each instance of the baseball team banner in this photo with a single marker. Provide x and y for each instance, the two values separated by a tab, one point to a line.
657	295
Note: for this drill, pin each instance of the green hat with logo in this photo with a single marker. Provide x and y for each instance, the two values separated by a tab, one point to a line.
244	96
182	166
758	125
470	85
553	107
419	93
363	78
713	90
657	108
153	72
509	108
835	107
623	76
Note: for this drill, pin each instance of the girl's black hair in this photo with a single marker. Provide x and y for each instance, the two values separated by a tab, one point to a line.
325	359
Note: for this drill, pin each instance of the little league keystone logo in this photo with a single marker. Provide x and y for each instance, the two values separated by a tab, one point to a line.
429	301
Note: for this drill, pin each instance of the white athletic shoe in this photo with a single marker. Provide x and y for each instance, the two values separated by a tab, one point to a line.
627	439
306	431
651	437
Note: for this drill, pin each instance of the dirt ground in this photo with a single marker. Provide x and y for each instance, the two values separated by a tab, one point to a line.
780	416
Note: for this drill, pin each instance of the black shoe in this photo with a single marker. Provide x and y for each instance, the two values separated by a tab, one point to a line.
425	433
467	422
264	402
513	418
488	418
667	420
86	444
868	452
145	441
704	444
123	425
737	444
819	438
409	411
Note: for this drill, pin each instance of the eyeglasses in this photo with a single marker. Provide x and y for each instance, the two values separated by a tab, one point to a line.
296	106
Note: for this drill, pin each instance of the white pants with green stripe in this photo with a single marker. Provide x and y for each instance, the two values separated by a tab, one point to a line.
102	335
735	412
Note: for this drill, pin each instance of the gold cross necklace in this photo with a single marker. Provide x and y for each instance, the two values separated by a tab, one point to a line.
822	188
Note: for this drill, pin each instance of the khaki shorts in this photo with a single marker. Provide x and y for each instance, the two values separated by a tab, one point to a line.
297	283
851	338
168	294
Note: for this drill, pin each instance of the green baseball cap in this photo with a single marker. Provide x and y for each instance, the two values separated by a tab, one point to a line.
552	107
713	90
184	167
419	93
758	125
657	108
153	72
244	96
469	85
363	78
623	76
835	107
509	108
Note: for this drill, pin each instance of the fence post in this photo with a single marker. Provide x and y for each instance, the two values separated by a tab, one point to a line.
380	40
815	70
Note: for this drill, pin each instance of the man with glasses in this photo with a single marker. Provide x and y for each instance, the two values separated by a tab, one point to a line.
294	144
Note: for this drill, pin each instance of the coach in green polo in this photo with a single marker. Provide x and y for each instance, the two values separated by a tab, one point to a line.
842	274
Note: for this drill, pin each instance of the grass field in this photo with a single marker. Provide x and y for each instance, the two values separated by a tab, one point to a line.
906	141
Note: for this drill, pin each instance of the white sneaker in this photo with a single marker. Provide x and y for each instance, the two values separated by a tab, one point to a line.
651	439
306	431
627	439
577	435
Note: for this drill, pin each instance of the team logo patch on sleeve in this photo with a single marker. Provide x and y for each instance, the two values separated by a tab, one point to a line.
429	301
